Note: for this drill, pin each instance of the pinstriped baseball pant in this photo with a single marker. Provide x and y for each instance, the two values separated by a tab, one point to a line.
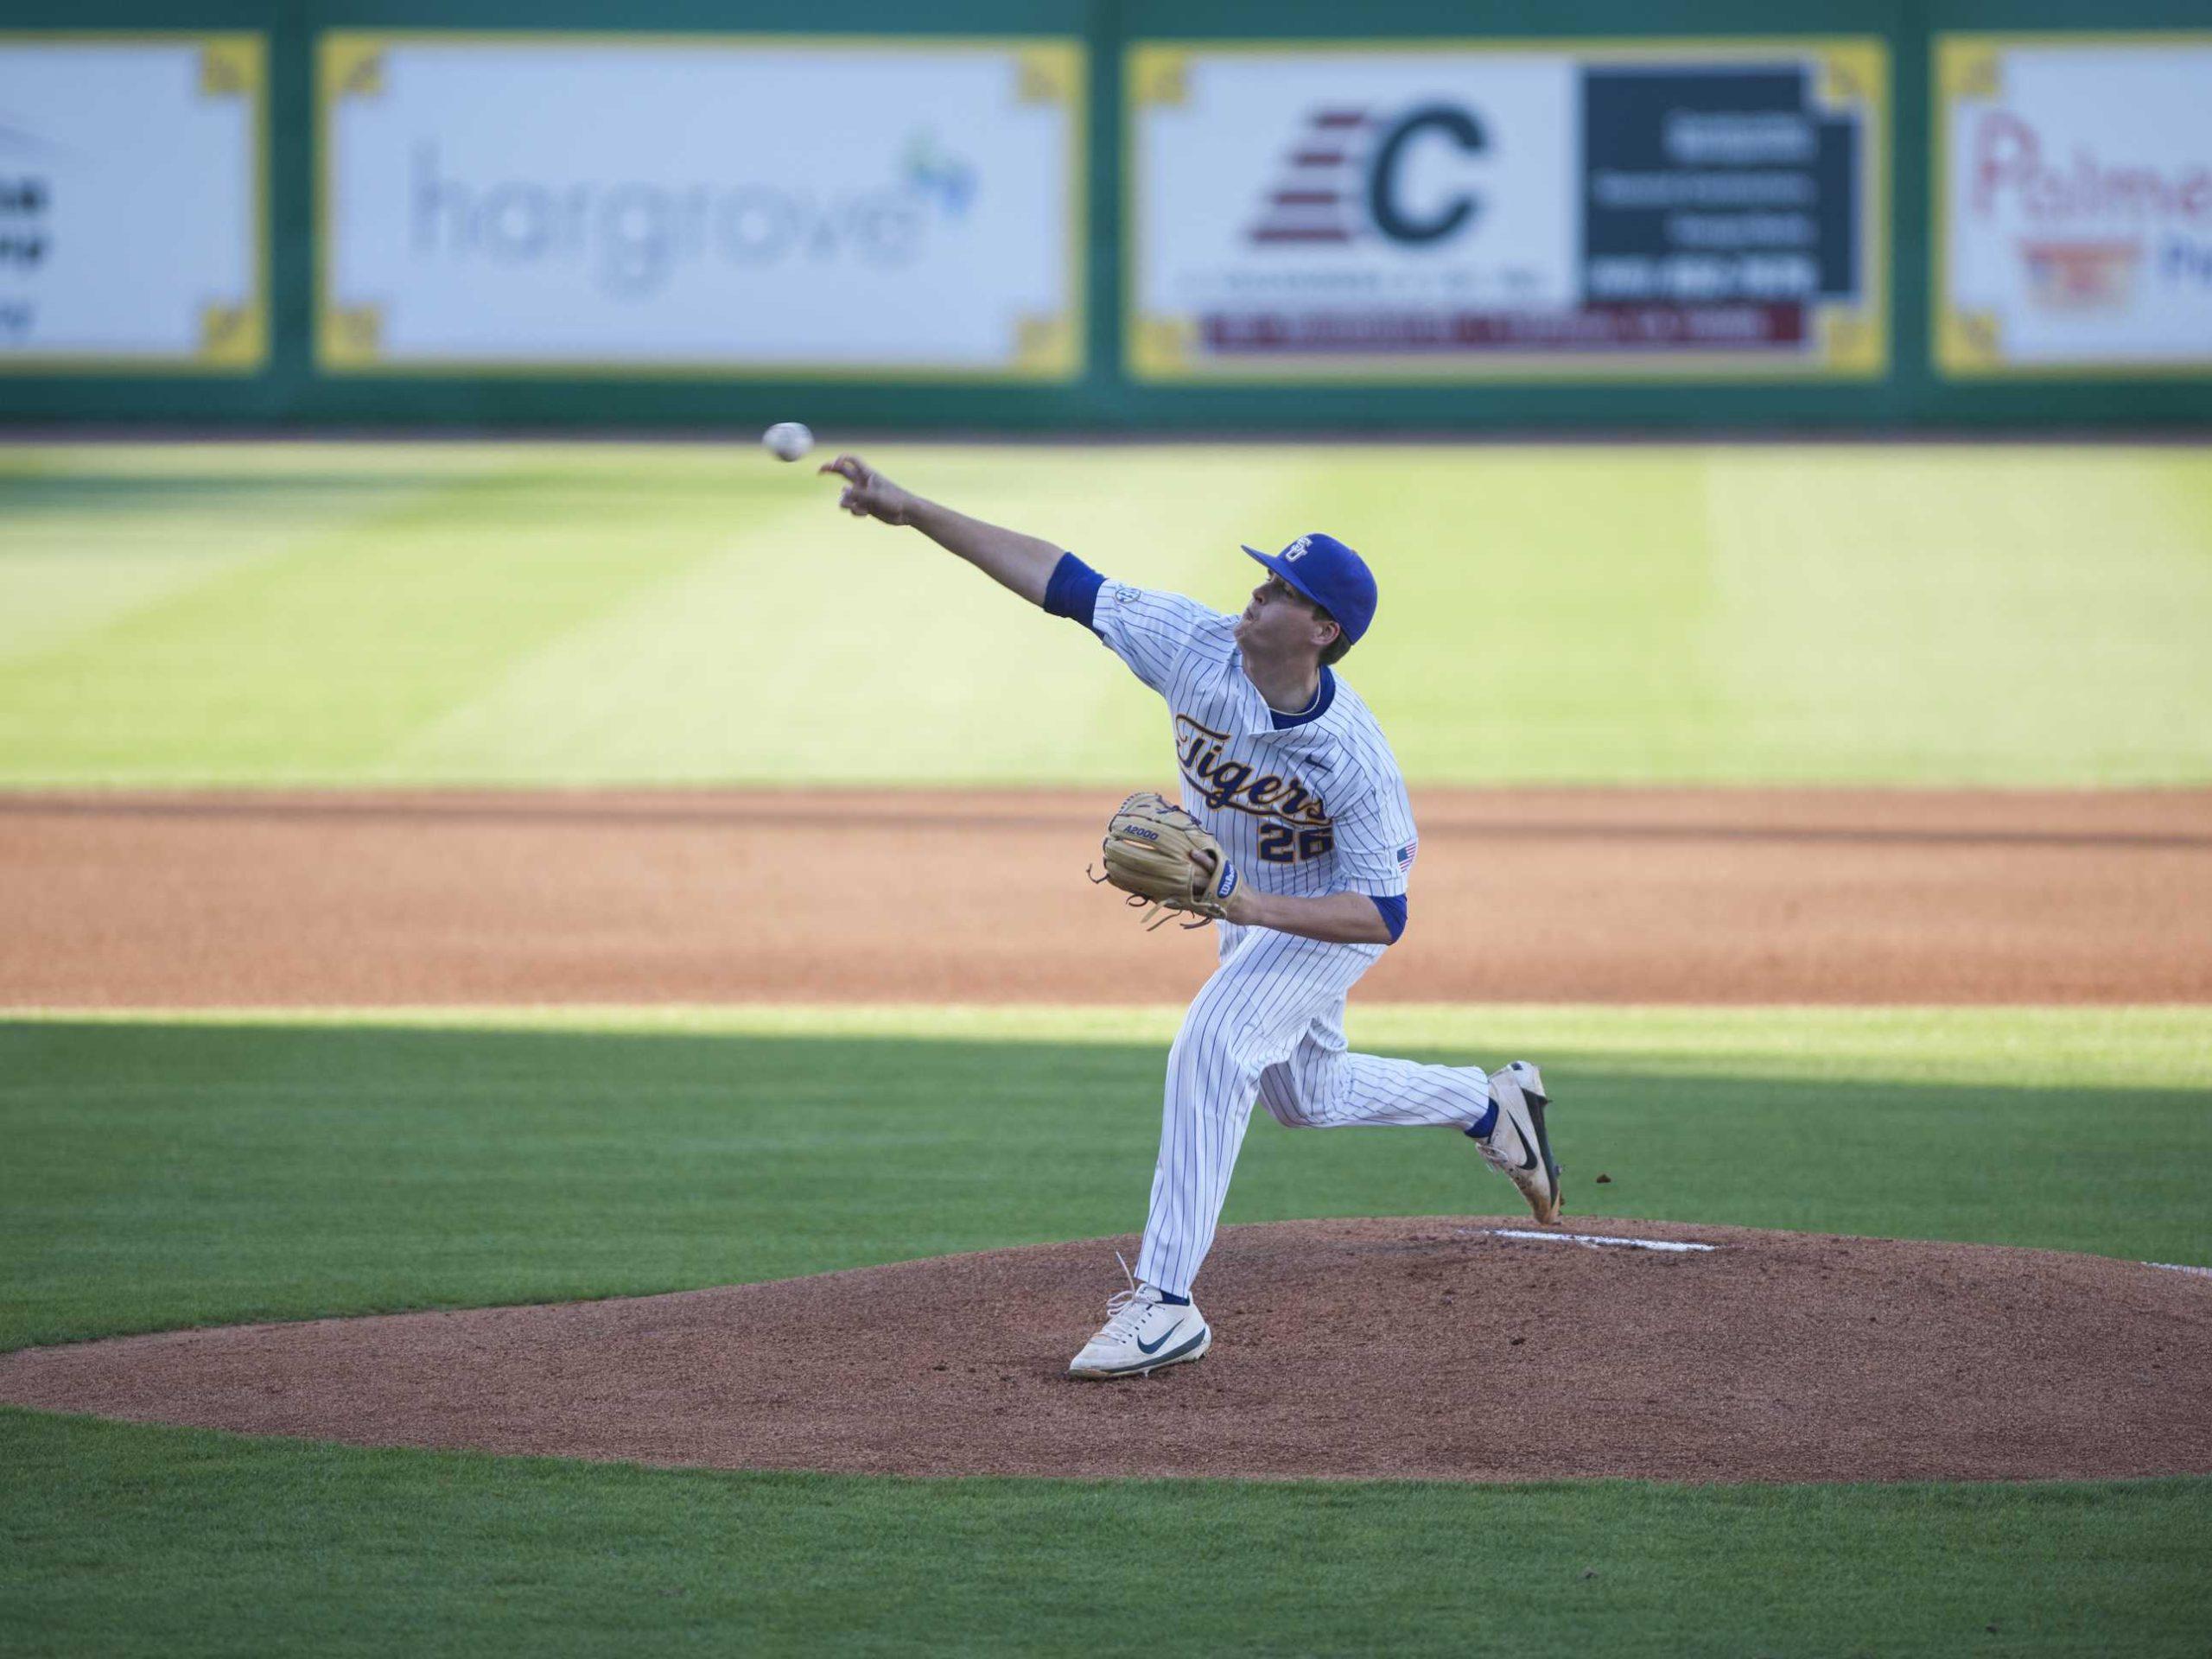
1269	1025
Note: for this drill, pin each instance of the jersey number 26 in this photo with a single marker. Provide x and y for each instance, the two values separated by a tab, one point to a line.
1281	843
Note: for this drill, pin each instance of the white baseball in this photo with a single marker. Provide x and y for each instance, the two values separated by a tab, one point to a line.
787	440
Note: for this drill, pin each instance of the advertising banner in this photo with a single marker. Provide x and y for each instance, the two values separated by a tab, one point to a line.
2072	225
705	205
131	204
1529	210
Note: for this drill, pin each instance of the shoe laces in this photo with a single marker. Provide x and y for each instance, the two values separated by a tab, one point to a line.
1125	1309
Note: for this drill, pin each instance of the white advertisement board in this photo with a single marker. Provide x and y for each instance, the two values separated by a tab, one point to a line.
131	204
701	205
2074	204
1529	210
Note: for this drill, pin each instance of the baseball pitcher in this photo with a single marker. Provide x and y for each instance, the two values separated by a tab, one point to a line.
1298	840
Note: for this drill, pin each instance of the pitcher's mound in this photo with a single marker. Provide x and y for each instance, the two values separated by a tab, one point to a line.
1434	1348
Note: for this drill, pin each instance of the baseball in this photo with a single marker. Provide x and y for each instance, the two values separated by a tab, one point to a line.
787	440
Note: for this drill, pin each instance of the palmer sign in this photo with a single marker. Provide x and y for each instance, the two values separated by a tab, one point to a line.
2074	216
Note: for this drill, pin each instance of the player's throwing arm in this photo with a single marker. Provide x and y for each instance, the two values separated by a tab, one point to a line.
1295	840
1009	558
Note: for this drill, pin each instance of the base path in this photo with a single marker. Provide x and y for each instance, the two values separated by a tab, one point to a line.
1599	895
1432	1348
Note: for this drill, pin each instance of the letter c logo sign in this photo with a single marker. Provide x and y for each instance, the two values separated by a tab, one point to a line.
1382	206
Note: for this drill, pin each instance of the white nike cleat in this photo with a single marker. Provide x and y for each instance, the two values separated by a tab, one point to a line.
1517	1145
1141	1334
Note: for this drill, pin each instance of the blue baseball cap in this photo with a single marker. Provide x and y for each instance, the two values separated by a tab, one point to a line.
1331	575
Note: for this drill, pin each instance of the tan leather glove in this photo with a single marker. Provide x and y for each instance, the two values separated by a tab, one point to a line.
1160	855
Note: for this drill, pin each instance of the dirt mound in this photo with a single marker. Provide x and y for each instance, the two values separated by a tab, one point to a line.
1434	1348
1721	895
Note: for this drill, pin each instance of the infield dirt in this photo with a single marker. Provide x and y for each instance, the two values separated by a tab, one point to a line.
1600	895
1429	1348
1387	1348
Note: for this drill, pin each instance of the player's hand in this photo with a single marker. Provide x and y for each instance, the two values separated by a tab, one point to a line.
867	493
1241	905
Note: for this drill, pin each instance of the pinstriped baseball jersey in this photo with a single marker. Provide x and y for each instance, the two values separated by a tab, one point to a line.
1306	805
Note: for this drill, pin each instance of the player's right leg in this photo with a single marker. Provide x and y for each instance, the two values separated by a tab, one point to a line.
1321	1085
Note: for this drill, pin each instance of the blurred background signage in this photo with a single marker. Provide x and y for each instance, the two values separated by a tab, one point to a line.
649	204
1501	210
2074	204
131	203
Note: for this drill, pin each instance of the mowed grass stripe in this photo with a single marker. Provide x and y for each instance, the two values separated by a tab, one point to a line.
1829	575
2165	1044
168	1171
73	562
304	1547
319	660
585	613
813	649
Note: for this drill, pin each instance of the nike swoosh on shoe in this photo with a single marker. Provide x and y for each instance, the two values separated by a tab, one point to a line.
1155	1347
1528	1158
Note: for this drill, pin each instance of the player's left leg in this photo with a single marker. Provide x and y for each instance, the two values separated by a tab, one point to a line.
1251	1014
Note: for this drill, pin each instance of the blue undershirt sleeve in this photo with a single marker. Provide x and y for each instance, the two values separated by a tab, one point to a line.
1392	910
1073	589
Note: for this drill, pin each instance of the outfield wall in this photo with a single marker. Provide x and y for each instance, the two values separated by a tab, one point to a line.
1140	216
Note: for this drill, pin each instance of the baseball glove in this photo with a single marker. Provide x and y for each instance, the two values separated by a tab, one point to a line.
1160	855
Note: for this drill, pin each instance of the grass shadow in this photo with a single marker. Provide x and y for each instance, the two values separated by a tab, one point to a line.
193	1173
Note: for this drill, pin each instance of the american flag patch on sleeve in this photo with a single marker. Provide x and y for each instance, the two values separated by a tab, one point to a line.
1406	856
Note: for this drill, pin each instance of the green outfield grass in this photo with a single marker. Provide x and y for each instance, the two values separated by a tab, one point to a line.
167	1542
166	1169
442	613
